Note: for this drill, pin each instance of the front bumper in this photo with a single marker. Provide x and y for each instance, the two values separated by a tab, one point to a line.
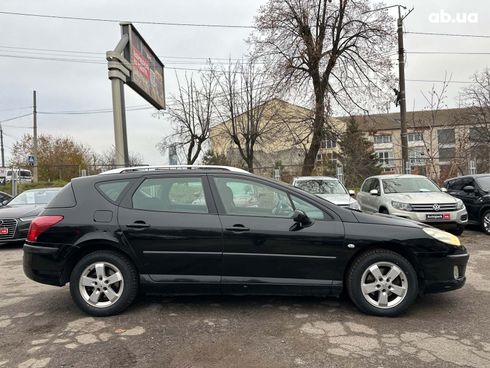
457	218
45	263
439	272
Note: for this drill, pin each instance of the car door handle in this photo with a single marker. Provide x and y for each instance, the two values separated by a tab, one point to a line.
237	228
138	225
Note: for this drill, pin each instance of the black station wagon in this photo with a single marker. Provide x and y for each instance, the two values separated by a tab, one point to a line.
221	230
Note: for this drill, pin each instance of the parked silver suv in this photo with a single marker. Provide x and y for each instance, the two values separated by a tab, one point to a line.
414	197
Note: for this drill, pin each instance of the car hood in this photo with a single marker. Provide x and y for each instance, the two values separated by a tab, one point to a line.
20	211
338	199
422	197
382	219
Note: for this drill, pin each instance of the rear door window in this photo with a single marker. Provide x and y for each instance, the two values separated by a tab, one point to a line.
171	195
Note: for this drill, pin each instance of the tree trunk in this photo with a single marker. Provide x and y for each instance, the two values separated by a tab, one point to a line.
316	139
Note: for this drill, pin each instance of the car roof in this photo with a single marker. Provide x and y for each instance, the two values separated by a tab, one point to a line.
468	176
161	168
394	176
304	178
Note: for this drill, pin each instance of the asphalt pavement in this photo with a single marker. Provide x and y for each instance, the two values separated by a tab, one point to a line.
41	327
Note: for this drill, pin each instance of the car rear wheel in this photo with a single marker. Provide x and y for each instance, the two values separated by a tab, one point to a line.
485	222
382	283
104	283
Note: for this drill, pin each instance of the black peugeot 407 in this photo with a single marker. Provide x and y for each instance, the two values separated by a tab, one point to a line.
224	231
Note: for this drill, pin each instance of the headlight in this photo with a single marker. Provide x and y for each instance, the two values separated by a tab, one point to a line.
354	205
401	206
459	204
442	236
27	219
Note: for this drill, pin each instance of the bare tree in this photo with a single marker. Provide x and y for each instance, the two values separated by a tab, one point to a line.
446	138
193	111
476	98
339	49
246	107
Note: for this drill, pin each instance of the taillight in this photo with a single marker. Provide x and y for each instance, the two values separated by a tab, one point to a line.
40	224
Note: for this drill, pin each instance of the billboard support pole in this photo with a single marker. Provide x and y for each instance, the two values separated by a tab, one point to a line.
119	72
146	78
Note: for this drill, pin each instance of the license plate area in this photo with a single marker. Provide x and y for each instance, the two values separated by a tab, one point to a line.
438	216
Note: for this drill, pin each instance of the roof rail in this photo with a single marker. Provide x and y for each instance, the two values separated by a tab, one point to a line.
172	167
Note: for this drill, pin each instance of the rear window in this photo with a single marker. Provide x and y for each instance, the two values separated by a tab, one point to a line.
65	198
112	189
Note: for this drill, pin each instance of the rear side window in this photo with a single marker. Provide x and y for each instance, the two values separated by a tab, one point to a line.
65	198
171	195
112	189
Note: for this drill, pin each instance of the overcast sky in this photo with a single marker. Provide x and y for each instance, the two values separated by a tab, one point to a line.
81	86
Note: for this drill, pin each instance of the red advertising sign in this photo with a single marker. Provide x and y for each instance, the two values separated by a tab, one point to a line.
147	77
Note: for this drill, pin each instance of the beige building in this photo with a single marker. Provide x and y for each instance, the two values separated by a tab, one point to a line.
443	144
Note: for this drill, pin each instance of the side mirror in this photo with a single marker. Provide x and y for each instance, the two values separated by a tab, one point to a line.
469	189
352	193
444	190
5	202
301	220
374	192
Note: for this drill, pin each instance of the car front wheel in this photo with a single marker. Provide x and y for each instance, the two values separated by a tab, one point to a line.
381	282
104	283
485	222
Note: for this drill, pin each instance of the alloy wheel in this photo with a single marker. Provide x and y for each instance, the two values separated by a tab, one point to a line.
384	285
101	284
486	222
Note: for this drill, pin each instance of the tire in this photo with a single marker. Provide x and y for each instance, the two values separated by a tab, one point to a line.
104	283
458	230
391	303
485	222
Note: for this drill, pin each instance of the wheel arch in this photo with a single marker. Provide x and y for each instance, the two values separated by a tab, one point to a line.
91	246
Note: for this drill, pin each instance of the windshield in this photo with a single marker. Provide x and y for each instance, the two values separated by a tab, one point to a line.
321	186
409	185
33	197
484	183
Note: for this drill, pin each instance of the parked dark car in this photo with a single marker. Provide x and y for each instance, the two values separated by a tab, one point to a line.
197	232
17	214
474	191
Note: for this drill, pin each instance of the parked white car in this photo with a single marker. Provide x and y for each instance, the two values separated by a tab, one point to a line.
328	188
413	197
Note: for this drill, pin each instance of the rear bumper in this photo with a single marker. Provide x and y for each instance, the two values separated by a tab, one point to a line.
45	264
445	273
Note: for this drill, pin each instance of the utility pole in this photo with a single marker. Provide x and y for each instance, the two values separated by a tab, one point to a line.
1	146
34	137
402	92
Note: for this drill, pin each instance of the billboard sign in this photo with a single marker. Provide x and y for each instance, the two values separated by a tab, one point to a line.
147	76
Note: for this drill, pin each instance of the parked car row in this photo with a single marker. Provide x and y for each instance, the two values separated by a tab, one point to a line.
461	201
219	230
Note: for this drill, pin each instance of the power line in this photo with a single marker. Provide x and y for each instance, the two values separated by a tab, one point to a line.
81	112
448	34
103	53
17	108
106	20
16	117
439	81
446	53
